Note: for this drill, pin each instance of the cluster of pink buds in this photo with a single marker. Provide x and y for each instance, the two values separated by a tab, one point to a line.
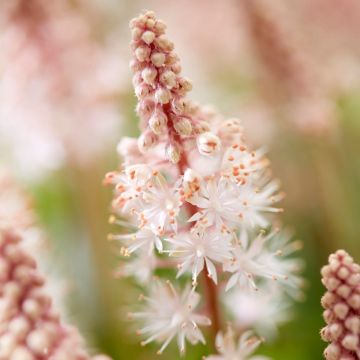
30	324
164	111
192	189
30	327
341	278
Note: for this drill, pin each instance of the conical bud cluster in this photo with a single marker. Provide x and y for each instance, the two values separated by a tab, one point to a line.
30	328
341	302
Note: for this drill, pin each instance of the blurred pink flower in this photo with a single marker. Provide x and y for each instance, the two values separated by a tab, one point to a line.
291	79
57	91
30	326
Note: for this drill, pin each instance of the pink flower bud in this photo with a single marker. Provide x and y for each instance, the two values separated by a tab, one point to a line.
149	75
183	126
158	59
162	95
341	278
157	122
173	153
208	144
146	141
168	79
148	37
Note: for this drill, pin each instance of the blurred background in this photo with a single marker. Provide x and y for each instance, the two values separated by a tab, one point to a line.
288	69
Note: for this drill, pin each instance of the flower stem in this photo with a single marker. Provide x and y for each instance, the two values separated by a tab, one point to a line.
212	303
210	288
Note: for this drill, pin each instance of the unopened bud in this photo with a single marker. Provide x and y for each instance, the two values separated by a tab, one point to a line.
185	84
162	95
208	143
183	126
136	33
142	91
147	140
201	127
160	27
178	105
173	153
142	53
158	59
168	78
134	65
164	43
157	122
149	75
148	37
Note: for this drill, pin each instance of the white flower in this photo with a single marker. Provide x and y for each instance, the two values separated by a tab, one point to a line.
217	202
259	259
129	187
261	310
200	247
240	163
169	315
143	238
227	204
229	350
161	204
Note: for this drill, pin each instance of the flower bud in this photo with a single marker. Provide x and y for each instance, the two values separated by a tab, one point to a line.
183	126
208	143
185	85
160	27
162	95
157	122
163	43
147	140
136	33
148	37
142	91
178	105
142	53
173	152
134	65
200	127
149	75
158	59
168	78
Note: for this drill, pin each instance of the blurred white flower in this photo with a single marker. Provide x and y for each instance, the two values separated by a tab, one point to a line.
262	310
169	314
229	350
57	105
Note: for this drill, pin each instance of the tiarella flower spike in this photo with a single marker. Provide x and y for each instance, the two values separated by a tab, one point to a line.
31	328
341	302
190	187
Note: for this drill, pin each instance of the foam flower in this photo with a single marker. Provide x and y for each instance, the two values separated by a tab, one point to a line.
191	188
229	350
198	249
341	302
169	314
